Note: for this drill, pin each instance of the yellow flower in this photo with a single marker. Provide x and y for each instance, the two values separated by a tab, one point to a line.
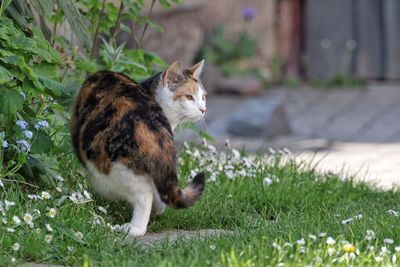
349	248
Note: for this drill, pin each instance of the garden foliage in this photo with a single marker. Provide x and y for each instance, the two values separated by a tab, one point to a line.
41	68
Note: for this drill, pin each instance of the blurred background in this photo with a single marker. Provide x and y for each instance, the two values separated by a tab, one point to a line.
318	77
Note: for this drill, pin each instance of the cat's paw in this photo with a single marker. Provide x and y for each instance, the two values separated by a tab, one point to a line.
129	229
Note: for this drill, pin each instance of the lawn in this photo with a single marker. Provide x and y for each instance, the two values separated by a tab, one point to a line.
282	214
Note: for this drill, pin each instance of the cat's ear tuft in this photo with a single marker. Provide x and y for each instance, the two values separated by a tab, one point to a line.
196	69
172	74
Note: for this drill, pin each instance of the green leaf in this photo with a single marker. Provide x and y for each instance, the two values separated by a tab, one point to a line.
5	75
3	5
87	65
43	7
41	144
19	62
17	11
11	101
45	70
77	22
125	28
54	88
165	3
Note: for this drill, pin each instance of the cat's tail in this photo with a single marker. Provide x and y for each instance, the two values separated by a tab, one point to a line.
180	199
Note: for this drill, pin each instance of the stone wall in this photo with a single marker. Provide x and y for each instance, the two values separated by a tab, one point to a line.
187	25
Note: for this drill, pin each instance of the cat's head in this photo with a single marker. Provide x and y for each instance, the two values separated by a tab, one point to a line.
181	93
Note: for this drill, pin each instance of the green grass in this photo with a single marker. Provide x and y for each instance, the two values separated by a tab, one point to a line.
268	220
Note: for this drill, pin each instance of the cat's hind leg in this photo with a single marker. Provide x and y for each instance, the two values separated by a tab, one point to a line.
141	198
158	204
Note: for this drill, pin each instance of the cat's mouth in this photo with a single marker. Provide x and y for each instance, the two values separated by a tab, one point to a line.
194	117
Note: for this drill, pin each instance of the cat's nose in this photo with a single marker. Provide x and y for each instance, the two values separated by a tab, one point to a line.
203	110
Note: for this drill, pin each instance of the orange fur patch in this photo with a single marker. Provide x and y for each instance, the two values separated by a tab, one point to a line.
148	141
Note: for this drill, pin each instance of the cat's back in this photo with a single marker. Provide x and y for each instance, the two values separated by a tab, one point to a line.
115	119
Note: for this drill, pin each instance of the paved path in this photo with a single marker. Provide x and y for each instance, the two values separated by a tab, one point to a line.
354	131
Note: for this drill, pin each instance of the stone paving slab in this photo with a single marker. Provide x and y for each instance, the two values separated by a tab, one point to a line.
353	130
377	164
152	239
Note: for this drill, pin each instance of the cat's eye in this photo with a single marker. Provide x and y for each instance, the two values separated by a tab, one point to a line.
204	98
190	97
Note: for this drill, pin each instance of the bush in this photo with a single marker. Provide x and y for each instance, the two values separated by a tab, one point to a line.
40	72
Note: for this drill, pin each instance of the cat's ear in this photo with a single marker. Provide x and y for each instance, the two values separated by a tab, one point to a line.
196	69
172	74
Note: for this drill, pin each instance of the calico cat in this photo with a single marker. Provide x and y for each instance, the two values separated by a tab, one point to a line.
122	132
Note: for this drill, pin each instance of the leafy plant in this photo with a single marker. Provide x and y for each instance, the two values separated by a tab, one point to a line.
22	13
38	81
226	52
29	89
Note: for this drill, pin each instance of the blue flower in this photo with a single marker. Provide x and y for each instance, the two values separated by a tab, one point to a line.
248	13
5	143
21	123
43	123
24	145
28	134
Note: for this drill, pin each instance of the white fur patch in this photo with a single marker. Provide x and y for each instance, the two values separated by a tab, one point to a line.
139	190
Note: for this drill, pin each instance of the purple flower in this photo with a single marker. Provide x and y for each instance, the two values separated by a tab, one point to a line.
28	134
43	123
5	143
248	13
22	124
24	145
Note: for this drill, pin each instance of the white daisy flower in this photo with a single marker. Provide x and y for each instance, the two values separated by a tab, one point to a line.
52	213
8	204
46	195
48	227
370	235
28	218
330	241
48	238
388	241
301	242
10	230
347	221
78	235
102	209
267	181
16	220
15	246
331	251
275	245
87	194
